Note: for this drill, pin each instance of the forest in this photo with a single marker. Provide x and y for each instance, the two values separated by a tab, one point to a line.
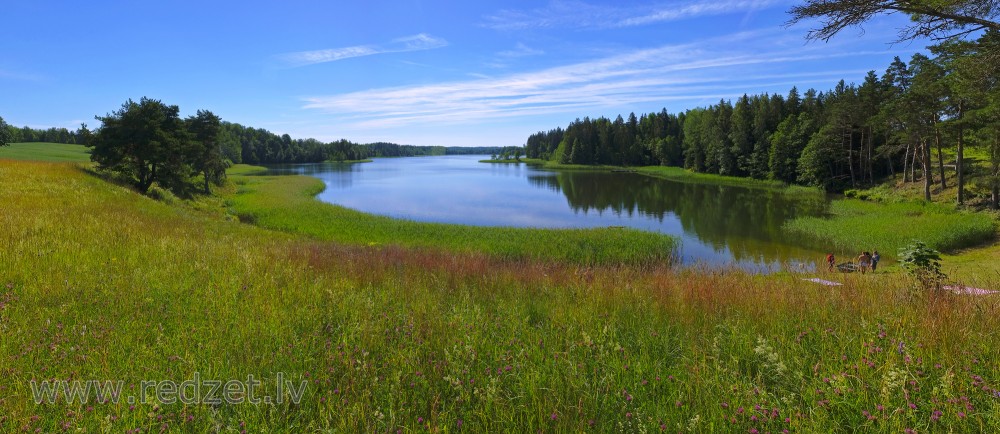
900	124
241	144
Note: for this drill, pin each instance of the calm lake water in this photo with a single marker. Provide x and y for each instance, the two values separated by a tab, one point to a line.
718	225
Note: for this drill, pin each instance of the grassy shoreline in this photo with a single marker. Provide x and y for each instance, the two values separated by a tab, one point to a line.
365	160
853	225
672	173
98	282
288	203
857	225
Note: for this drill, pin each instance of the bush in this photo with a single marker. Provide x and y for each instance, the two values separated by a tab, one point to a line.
922	262
161	194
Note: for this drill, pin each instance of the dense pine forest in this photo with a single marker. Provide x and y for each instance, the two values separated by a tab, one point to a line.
901	124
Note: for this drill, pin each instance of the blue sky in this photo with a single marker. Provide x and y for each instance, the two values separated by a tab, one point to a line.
459	73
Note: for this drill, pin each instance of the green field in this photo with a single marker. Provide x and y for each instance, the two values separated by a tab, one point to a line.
98	282
41	151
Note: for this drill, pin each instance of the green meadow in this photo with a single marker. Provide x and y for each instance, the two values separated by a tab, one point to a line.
856	225
41	151
397	326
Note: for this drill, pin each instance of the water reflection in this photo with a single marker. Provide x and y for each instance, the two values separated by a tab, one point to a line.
717	225
742	221
336	175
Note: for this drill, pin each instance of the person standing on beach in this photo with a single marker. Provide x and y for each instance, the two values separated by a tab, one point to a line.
875	258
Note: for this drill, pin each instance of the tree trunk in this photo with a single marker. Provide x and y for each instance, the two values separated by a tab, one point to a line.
207	191
906	160
937	139
995	182
871	170
928	177
960	157
850	153
146	178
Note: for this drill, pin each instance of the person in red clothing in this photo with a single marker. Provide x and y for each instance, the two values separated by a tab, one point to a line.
830	261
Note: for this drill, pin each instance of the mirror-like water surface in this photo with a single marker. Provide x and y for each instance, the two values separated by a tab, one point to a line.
718	225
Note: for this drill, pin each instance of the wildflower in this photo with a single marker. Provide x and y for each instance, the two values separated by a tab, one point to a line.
935	415
459	423
420	420
554	416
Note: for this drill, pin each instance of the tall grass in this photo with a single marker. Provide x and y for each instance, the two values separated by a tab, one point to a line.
97	282
855	225
288	203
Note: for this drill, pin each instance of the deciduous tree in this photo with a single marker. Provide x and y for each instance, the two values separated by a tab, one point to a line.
4	133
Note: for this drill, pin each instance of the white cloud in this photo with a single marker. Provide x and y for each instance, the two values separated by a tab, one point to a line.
577	14
417	42
521	50
706	70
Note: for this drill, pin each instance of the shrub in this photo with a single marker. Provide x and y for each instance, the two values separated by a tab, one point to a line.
922	262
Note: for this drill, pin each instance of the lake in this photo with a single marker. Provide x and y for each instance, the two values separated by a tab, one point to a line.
719	226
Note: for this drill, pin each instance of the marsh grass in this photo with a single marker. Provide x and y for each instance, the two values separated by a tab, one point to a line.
855	225
97	282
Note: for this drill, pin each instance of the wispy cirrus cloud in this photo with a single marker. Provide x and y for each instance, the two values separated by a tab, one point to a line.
9	75
521	50
702	71
416	42
578	14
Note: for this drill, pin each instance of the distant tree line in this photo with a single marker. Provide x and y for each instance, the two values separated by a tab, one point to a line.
508	153
241	144
52	135
892	125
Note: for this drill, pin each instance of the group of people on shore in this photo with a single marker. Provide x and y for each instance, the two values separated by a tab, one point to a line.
865	261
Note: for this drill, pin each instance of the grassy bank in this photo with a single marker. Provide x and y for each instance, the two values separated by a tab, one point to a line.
288	203
856	225
97	282
366	160
505	161
675	174
42	151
